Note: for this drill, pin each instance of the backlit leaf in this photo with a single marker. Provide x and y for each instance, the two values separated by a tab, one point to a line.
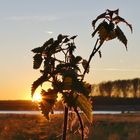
60	37
103	15
48	100
120	35
119	19
48	42
49	95
66	40
41	49
77	59
37	50
37	61
111	12
73	37
38	82
102	29
84	104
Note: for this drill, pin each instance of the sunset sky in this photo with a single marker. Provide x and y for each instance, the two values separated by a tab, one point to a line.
26	24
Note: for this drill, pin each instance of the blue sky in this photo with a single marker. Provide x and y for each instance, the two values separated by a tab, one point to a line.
27	24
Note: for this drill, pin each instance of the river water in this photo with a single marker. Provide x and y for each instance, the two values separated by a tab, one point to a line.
55	112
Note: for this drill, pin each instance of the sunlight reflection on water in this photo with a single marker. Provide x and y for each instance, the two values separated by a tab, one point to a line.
55	112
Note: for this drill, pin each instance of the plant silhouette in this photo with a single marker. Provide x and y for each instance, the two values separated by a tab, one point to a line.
65	73
107	30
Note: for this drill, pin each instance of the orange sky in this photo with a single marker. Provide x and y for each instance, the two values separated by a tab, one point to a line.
28	24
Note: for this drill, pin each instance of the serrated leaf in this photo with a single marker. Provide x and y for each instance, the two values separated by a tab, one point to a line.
120	35
118	19
77	59
111	12
71	47
111	35
37	50
38	82
45	109
66	40
73	37
106	15
103	15
106	31
37	60
49	95
51	49
60	37
41	49
48	100
48	42
102	30
84	104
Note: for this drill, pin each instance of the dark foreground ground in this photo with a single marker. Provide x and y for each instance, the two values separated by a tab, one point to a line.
36	127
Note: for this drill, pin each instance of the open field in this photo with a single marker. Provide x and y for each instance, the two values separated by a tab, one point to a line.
36	127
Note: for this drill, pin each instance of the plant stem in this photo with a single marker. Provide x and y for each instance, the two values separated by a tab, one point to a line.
94	51
81	123
65	123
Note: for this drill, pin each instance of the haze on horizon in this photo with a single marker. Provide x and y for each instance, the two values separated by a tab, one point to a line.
28	24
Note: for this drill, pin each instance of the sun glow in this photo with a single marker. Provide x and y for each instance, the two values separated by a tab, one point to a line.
37	97
59	96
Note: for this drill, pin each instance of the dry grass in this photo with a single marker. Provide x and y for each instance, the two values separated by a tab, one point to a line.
36	127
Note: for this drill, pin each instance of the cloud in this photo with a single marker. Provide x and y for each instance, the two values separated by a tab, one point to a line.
32	18
49	32
116	69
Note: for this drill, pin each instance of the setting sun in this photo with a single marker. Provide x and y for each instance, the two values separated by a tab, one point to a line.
59	96
37	97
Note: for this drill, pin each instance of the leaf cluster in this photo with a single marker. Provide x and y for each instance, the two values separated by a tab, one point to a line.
108	29
64	74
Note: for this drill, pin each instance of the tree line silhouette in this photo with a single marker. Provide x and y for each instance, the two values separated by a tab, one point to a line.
118	88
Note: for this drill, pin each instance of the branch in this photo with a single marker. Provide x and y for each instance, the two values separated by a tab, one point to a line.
81	123
65	123
94	51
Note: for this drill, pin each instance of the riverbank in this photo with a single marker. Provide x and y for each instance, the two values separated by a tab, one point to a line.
36	127
99	104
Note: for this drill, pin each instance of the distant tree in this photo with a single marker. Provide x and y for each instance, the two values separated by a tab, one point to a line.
119	88
123	85
101	89
108	88
65	74
136	83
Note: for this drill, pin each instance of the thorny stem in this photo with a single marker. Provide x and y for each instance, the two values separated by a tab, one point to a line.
81	123
65	123
94	51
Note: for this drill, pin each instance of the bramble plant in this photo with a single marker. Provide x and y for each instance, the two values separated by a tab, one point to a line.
66	75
